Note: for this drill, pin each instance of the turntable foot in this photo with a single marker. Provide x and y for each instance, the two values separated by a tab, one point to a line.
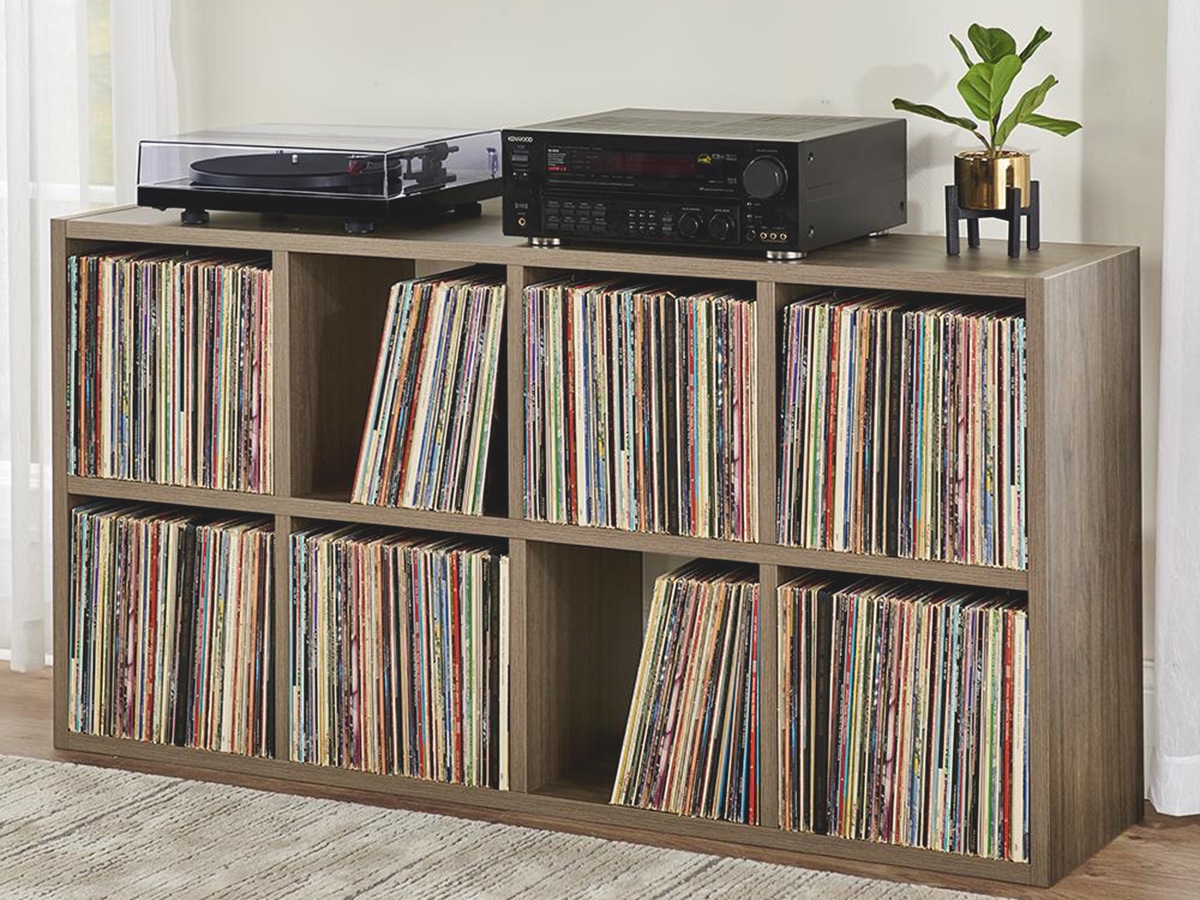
194	217
359	226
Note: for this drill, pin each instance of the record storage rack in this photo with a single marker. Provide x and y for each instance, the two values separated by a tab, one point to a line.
576	592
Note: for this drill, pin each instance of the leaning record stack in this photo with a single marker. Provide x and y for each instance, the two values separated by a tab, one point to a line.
429	423
692	740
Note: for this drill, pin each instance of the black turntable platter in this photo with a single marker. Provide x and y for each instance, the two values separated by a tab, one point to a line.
293	172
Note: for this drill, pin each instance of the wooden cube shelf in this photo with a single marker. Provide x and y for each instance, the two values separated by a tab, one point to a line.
576	592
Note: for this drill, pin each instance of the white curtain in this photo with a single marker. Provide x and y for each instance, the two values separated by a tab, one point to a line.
1175	784
81	81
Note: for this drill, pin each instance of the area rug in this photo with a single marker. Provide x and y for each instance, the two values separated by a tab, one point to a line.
83	832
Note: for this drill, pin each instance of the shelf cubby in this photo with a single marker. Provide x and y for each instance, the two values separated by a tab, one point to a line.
554	339
199	514
582	640
334	317
349	618
128	371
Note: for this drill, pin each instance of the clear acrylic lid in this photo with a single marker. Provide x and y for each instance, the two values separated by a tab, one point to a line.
321	160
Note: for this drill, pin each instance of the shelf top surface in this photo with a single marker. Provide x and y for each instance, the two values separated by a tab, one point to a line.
901	261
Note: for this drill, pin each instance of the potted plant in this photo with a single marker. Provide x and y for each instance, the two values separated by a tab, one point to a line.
983	176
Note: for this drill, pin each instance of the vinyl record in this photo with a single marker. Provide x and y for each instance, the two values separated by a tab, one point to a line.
351	172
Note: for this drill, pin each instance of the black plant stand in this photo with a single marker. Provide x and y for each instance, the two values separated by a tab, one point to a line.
1011	213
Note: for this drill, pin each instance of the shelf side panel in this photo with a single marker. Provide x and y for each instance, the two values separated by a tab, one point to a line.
281	378
60	507
766	312
1086	567
518	666
281	638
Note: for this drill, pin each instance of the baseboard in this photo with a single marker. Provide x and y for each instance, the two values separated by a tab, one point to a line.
1149	716
6	656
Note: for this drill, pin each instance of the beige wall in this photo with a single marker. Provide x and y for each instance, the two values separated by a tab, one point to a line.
472	62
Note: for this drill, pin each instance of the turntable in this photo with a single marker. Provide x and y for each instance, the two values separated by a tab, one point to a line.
361	175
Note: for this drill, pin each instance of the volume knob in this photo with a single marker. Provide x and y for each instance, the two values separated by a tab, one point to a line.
764	178
721	227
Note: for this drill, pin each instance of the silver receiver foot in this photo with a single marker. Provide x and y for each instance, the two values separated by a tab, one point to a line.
545	242
882	233
785	255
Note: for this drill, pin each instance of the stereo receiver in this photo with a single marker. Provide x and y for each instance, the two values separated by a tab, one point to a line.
778	184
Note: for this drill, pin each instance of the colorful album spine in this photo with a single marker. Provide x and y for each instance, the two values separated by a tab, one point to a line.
691	743
903	713
640	408
902	427
429	422
169	369
395	654
170	628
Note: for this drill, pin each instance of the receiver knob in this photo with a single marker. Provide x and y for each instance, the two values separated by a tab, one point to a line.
689	225
721	227
764	178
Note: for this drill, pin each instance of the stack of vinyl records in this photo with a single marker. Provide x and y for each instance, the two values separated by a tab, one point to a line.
640	407
903	711
691	743
170	623
169	369
425	444
903	427
396	646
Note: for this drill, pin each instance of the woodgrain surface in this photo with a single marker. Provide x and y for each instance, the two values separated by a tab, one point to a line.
768	695
59	500
766	406
1158	859
1085	587
323	506
281	602
899	261
583	638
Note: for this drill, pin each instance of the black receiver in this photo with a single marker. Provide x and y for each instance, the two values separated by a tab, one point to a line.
782	184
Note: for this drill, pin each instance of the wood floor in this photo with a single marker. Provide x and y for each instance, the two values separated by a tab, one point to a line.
1159	858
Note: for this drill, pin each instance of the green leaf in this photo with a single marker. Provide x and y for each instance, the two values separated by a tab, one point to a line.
1025	107
962	51
1058	126
923	109
986	84
1039	37
992	44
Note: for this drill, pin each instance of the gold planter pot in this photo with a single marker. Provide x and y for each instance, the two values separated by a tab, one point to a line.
983	180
